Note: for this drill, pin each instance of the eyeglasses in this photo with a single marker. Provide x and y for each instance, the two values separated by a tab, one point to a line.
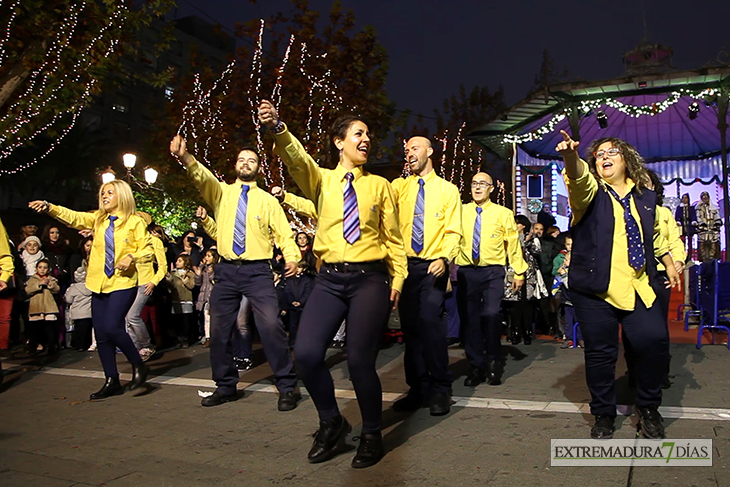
481	184
612	152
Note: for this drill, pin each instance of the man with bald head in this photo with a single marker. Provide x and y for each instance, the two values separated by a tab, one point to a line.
489	229
429	211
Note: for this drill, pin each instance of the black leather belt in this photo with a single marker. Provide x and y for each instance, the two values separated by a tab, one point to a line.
348	267
243	262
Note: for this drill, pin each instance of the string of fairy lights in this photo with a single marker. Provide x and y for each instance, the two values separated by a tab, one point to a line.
586	107
46	83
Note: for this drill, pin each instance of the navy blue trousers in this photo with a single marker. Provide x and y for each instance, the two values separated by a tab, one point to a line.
107	315
423	320
480	296
255	281
645	330
363	299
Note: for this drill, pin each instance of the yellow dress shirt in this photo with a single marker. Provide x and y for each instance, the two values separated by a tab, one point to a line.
130	238
625	282
669	229
303	206
146	270
7	267
499	231
441	215
380	237
264	217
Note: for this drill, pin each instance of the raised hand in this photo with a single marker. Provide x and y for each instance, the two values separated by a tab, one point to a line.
201	213
567	146
277	192
178	147
268	116
38	205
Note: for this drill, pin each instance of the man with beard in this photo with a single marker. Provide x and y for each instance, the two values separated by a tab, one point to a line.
429	211
246	215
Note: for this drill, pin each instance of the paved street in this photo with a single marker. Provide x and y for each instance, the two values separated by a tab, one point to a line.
51	435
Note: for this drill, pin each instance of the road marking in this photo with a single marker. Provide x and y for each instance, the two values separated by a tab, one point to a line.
709	414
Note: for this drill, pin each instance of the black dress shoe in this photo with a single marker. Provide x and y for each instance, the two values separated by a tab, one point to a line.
370	450
328	438
604	427
216	399
288	400
411	402
440	404
139	376
495	370
528	340
651	423
111	387
476	376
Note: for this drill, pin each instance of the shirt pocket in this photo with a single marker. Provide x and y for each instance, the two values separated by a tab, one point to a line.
492	231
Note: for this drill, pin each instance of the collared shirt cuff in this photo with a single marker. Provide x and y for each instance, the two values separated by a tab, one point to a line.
397	284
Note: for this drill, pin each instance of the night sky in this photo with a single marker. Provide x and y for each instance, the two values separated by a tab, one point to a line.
435	46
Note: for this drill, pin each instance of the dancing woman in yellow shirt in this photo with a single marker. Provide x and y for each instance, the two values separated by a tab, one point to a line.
613	276
360	244
121	240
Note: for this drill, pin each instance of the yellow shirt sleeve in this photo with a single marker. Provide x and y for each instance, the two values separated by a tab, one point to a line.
161	258
581	192
303	206
7	267
207	184
452	216
282	232
80	220
391	236
303	169
210	227
514	248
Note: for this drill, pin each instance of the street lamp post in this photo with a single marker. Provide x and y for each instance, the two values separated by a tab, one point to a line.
129	160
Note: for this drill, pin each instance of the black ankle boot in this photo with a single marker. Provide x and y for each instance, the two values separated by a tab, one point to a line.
495	369
139	376
328	438
370	451
111	387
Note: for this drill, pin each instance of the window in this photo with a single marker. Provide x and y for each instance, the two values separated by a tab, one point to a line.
534	186
121	104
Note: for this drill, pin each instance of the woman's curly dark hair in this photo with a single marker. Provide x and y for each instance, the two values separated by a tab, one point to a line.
634	162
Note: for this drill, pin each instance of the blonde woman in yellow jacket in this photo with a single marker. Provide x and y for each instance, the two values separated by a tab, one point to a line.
121	240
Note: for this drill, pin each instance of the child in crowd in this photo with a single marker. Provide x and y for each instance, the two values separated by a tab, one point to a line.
42	309
31	254
205	278
561	266
296	291
78	298
182	281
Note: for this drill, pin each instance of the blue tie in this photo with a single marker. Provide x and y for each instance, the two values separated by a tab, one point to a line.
239	230
351	223
417	234
476	242
633	235
109	248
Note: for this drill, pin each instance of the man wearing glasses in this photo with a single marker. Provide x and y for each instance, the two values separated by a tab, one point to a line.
429	211
489	229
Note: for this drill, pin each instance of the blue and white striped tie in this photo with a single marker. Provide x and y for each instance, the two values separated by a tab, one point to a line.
239	230
351	223
477	240
417	234
109	247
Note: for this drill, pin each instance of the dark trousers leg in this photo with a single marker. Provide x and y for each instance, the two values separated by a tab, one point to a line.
422	313
452	312
295	317
108	311
648	337
82	333
255	281
362	298
481	290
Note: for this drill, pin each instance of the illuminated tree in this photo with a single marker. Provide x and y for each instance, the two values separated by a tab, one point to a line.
54	56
